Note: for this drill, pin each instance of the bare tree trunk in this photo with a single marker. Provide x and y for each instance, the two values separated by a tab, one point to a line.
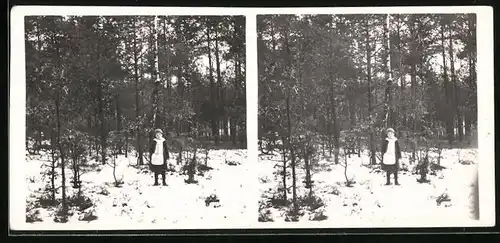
347	181
472	70
166	47
292	154
102	121
336	130
140	159
53	166
157	121
471	97
232	129
114	172
289	123
307	156
180	39
373	159
402	74
213	93
333	112
119	120
153	40
100	104
387	65
220	98
448	117
456	87
233	117
285	189
61	152
413	69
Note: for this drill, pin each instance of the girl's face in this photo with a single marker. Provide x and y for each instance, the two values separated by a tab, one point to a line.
390	135
158	135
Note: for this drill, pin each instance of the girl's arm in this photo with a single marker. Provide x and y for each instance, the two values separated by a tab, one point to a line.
384	146
398	150
152	147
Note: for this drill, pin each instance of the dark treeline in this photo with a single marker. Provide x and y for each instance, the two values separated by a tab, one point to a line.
123	76
333	82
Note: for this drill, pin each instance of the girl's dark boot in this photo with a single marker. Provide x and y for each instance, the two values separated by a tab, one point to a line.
156	179
163	178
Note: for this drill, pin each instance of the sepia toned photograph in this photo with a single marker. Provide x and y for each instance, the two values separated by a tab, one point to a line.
367	117
138	119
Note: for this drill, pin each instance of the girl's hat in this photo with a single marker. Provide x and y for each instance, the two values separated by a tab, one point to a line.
158	131
389	130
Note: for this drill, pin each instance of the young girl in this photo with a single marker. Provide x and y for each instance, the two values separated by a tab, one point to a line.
159	155
390	156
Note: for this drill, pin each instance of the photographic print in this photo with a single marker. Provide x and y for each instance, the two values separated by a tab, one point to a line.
174	118
368	118
135	119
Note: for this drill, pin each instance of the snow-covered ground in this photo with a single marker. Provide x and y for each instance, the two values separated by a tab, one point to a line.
369	200
138	201
180	205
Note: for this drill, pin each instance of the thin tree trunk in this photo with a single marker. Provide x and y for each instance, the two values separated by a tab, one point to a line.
102	121
180	81
62	153
220	101
285	189
156	77
53	167
100	103
388	96
155	120
140	159
472	70
369	80
413	70
232	129
237	73
166	47
213	121
448	117
292	153
420	73
289	122
225	121
336	130
471	84
307	153
118	112
333	111
119	121
126	143
347	181
459	120
402	74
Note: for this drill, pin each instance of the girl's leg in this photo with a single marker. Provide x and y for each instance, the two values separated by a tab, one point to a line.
396	177
156	178
163	177
388	176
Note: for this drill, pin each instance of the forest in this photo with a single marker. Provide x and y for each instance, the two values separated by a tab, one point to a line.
329	86
97	87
